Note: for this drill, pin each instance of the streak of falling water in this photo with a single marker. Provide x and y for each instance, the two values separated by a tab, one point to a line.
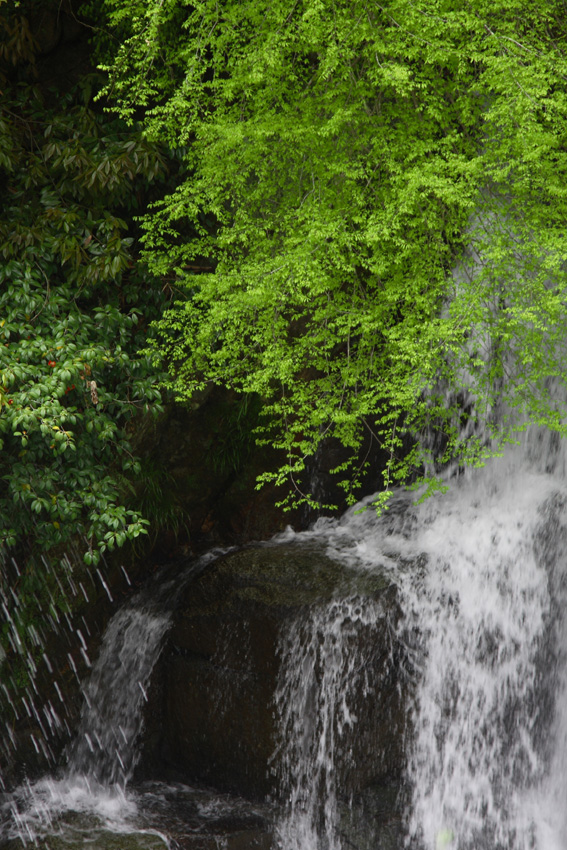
104	752
324	675
44	585
481	609
105	747
482	575
482	582
111	719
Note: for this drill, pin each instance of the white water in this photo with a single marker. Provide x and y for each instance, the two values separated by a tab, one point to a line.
481	611
482	580
88	798
482	575
104	751
323	679
105	748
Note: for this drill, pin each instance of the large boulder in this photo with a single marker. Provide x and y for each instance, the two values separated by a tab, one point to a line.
242	630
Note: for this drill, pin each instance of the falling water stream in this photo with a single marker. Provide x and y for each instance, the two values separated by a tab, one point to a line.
482	578
323	677
102	755
482	583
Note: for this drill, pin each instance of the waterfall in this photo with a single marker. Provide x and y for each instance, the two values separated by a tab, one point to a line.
482	575
111	719
105	748
103	752
481	581
324	677
481	612
488	734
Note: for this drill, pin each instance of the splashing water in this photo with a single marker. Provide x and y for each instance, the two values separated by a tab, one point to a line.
103	755
482	576
481	613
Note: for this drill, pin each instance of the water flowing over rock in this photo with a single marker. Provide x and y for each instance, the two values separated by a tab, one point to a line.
329	738
375	683
481	575
229	661
111	721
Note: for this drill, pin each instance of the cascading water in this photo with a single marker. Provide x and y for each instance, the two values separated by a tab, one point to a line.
481	610
481	577
324	676
103	754
481	574
104	748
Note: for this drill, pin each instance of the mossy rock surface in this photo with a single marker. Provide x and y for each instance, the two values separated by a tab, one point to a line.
286	575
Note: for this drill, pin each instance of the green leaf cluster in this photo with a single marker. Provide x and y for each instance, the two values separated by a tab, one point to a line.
369	227
74	305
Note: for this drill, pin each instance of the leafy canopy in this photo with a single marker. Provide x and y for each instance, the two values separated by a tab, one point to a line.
341	158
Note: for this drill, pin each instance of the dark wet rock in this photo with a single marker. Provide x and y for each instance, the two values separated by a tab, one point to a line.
244	840
100	839
211	714
194	818
373	820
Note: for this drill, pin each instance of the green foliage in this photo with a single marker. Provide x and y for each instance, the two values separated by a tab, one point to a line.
232	436
340	159
38	600
158	501
73	310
